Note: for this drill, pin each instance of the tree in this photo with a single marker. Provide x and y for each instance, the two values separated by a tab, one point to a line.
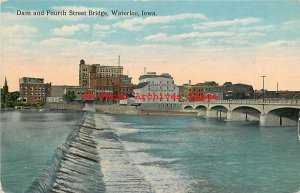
14	95
69	96
3	98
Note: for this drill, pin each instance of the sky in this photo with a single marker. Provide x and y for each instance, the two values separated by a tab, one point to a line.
237	41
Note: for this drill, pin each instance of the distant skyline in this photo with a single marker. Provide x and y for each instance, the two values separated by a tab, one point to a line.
220	41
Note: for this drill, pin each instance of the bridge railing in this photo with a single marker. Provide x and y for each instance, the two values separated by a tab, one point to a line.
293	102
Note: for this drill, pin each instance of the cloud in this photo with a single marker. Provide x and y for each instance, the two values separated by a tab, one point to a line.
227	23
101	27
283	43
102	30
156	37
255	28
291	25
18	31
70	30
183	36
137	24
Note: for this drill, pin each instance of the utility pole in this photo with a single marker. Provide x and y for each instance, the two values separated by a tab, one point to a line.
263	88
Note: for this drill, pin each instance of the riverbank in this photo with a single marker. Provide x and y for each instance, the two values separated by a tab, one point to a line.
131	110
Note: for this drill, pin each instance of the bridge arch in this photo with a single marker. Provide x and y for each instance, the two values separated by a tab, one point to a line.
188	107
245	113
218	111
201	109
219	107
246	109
280	108
287	116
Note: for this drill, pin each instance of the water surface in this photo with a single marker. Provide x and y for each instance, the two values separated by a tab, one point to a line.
189	154
28	143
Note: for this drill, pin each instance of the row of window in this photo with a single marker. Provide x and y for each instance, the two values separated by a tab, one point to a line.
36	94
160	90
33	88
166	105
199	90
109	71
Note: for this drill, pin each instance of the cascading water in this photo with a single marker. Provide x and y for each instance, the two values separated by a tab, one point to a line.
75	167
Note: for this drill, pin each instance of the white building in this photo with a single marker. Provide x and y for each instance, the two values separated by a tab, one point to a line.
157	90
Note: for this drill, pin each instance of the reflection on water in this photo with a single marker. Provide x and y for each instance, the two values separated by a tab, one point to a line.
28	143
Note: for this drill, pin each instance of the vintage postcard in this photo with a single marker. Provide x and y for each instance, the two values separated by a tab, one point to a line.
150	96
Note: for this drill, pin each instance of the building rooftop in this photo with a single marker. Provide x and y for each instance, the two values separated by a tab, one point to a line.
154	75
140	85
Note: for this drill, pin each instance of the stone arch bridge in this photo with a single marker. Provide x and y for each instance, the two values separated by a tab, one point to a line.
268	113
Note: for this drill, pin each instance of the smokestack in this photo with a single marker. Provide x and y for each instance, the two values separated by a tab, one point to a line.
277	86
119	60
190	82
145	71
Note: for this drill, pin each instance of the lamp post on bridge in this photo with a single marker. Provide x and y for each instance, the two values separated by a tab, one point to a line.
263	96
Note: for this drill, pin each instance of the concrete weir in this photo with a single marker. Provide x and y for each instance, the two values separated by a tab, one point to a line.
92	160
119	173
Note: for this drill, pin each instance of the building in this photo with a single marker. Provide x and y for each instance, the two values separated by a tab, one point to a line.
157	92
107	81
58	92
231	91
34	90
90	73
5	88
195	92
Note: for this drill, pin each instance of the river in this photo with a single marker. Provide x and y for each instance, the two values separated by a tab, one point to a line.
28	143
189	154
173	153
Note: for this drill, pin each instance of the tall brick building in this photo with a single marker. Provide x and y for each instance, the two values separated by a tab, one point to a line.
108	80
34	90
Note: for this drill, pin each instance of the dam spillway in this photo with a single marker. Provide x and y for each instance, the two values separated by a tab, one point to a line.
91	160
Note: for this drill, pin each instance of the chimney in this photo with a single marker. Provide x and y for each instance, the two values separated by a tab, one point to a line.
190	82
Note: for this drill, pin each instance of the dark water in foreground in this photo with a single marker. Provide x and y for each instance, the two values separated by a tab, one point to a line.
188	154
28	142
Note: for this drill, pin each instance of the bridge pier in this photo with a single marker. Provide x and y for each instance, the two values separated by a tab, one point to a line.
201	113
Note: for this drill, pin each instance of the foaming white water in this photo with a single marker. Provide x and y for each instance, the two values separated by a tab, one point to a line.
164	180
1	191
142	158
154	170
163	174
